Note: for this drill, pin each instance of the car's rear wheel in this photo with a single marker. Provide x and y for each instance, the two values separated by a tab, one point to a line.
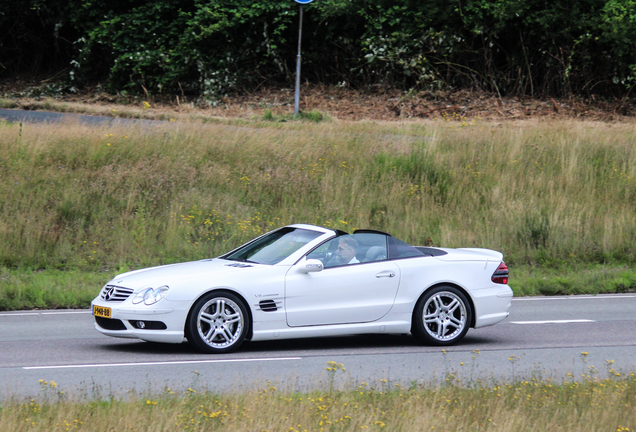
442	316
218	323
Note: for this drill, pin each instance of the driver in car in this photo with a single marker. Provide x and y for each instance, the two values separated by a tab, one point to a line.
346	253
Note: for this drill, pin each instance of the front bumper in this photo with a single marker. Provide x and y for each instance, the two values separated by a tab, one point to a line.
163	322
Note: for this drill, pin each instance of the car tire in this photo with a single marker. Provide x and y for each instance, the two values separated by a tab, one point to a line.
218	323
442	316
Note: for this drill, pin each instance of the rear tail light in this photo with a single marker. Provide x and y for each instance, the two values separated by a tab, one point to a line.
500	275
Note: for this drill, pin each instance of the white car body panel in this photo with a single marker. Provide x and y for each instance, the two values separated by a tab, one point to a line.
285	302
338	296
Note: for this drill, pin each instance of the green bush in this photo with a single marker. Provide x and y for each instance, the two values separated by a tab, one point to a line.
208	48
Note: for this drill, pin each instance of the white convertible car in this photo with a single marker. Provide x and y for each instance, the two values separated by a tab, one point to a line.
306	281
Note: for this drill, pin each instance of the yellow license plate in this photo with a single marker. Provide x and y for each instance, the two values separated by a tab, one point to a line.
100	311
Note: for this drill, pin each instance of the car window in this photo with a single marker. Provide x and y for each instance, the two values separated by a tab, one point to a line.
338	251
274	247
351	249
324	252
399	249
372	246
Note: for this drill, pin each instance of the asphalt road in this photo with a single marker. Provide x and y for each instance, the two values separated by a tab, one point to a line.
16	116
542	338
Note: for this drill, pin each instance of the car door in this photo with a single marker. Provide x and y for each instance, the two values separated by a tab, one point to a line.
344	294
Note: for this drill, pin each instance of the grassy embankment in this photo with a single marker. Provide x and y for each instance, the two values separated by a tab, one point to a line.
591	404
79	204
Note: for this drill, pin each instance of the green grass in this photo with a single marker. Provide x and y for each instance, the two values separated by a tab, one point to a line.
311	116
572	280
70	289
49	289
558	198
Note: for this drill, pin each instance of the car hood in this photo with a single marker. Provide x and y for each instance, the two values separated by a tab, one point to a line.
471	254
182	273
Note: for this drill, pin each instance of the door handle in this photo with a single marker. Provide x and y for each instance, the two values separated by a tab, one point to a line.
387	273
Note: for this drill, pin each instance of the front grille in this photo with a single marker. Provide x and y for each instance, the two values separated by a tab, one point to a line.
112	293
110	324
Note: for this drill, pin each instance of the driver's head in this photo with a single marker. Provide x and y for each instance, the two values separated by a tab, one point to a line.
347	248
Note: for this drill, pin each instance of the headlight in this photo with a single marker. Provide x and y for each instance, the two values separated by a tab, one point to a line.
150	295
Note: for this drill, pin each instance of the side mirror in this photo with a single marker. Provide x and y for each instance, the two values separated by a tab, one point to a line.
312	265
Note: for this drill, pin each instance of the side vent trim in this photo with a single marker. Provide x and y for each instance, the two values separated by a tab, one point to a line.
268	305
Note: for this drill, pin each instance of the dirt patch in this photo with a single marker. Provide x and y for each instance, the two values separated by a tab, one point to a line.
394	105
373	103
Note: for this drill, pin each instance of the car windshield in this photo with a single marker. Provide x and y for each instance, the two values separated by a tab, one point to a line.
274	247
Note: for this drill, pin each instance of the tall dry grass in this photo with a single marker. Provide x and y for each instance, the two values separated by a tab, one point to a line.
543	193
589	405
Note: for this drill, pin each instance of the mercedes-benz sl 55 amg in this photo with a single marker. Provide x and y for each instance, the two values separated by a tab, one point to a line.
303	281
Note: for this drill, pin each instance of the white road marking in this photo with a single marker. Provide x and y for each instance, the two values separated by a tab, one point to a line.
67	312
159	363
553	321
17	314
10	314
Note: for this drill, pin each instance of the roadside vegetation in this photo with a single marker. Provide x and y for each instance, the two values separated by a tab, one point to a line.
205	49
80	204
588	403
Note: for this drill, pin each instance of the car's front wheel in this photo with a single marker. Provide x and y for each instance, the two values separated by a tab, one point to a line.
442	316
218	323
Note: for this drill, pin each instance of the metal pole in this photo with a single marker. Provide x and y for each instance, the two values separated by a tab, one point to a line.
297	96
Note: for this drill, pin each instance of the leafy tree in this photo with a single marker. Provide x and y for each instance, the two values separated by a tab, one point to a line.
34	37
212	47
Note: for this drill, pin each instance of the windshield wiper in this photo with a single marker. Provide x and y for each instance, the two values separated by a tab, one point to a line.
241	260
